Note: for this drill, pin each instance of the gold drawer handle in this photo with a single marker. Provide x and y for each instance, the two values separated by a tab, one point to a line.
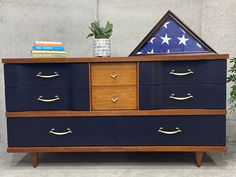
40	74
114	98
52	131
172	72
113	75
40	98
169	132
189	96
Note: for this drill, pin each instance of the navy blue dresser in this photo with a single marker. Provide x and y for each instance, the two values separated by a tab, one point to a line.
122	104
183	84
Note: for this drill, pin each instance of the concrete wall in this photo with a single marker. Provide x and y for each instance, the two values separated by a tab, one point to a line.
134	19
22	22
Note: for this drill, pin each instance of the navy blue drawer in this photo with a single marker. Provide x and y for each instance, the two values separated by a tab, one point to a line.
182	96
171	130
34	99
46	75
182	72
69	131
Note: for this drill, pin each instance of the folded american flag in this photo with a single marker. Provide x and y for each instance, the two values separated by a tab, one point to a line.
171	36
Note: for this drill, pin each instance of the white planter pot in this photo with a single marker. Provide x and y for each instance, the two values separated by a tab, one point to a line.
101	47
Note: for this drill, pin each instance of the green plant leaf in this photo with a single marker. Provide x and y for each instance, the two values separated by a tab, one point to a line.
108	35
94	28
100	32
90	35
93	25
93	31
108	27
232	78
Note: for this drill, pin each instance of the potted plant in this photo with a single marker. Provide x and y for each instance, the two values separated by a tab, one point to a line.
232	79
101	41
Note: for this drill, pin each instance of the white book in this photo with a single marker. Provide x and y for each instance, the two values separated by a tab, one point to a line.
47	42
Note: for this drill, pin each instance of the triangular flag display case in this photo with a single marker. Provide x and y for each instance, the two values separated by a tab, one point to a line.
171	35
167	96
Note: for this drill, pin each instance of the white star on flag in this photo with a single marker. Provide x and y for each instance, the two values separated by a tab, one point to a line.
171	37
139	53
165	25
152	52
152	40
165	39
182	40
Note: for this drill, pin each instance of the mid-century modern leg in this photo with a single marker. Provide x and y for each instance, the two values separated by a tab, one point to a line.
34	156
198	158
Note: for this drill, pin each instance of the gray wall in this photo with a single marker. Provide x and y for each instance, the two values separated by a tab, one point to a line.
22	22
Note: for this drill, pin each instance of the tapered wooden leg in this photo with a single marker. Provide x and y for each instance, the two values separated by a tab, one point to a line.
198	158
34	158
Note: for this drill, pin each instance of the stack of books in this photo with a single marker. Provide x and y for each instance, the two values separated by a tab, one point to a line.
47	49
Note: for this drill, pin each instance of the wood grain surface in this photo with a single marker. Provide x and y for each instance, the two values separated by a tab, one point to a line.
114	97
113	74
120	149
159	112
169	57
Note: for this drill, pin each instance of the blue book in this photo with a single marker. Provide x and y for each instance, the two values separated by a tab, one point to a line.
53	48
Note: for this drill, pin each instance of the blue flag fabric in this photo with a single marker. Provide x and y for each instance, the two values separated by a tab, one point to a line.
171	38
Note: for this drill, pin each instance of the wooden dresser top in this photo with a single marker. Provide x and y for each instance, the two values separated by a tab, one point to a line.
171	57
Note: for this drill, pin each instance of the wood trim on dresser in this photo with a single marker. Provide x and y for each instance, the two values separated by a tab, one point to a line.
120	149
161	112
137	86
90	88
169	57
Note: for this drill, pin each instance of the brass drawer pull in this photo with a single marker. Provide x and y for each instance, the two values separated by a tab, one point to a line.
169	132
40	98
172	72
40	74
52	131
114	98
189	96
113	75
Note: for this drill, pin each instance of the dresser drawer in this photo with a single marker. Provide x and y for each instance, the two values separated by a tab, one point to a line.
103	74
69	131
171	130
46	75
36	99
182	72
182	96
114	97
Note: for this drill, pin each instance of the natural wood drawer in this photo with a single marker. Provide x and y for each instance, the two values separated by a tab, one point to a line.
103	74
113	98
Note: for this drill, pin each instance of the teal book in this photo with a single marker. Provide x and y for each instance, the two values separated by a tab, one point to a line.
53	48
